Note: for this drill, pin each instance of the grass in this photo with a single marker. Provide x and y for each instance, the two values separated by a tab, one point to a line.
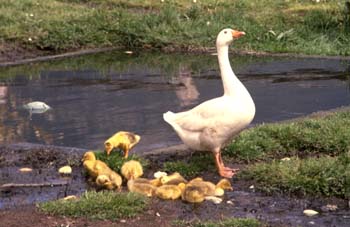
274	26
319	148
196	165
98	205
323	176
324	135
229	222
115	160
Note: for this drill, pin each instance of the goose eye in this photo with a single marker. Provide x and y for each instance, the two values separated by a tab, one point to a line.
225	32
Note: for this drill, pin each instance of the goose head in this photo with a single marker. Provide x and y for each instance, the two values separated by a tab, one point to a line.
226	36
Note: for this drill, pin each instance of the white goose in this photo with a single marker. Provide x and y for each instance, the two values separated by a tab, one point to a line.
213	123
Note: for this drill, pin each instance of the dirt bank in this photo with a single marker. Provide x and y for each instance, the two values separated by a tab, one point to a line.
18	204
12	55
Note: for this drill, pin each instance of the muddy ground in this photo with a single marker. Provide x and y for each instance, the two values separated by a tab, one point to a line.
17	205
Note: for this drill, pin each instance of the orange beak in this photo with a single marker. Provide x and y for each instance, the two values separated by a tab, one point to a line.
237	34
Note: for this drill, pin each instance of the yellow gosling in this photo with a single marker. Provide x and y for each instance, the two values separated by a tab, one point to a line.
109	181
206	187
93	166
122	140
173	179
132	170
167	192
141	188
154	182
192	194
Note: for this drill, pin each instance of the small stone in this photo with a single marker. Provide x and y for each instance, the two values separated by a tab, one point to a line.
159	174
123	221
65	170
128	52
229	202
158	214
214	199
310	212
285	159
70	197
329	207
25	170
311	223
251	187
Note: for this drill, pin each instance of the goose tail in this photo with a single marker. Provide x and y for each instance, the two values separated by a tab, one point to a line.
168	117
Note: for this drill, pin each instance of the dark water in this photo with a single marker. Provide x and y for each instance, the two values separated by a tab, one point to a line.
95	96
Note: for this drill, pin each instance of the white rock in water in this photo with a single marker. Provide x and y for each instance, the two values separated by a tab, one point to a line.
159	174
36	106
65	170
310	212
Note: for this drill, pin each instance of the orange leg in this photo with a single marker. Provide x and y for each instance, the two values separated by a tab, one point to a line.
222	169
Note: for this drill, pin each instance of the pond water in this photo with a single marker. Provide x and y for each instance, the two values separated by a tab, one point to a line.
94	96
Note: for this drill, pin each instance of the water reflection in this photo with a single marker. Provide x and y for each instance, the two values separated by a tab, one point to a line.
3	94
188	93
95	96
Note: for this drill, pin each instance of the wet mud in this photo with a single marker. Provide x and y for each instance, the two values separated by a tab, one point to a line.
243	201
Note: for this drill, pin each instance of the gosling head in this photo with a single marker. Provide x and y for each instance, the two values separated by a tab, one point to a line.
224	184
108	147
89	156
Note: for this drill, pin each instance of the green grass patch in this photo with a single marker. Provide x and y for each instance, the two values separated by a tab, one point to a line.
325	176
98	205
229	222
192	167
271	25
326	135
116	160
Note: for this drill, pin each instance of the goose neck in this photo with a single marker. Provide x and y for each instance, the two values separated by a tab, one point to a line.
230	81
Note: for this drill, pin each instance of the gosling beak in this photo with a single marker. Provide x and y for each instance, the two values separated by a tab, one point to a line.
237	34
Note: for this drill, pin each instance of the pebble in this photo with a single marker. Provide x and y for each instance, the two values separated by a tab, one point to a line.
123	221
70	197
159	174
25	170
214	199
128	52
329	207
310	212
285	159
65	170
158	214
